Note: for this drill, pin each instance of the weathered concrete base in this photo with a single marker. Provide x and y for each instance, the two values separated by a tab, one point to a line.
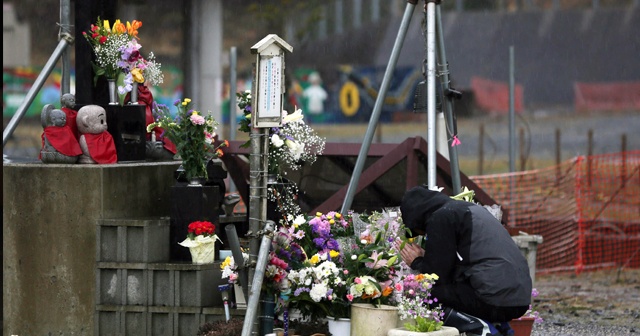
49	236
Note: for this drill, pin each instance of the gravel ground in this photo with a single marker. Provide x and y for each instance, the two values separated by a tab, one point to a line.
591	303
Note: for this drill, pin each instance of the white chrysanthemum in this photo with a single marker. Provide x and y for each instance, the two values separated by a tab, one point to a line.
276	141
318	292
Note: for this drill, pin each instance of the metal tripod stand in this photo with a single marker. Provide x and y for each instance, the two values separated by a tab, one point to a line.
432	18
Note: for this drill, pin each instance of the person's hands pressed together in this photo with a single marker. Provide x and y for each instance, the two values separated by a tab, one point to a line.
410	252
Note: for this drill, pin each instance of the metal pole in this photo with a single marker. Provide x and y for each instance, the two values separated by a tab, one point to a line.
447	104
233	106
65	10
251	315
512	123
37	85
236	251
233	57
431	93
375	115
512	127
257	192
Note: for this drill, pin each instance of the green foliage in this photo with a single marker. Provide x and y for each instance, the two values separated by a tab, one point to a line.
423	325
192	133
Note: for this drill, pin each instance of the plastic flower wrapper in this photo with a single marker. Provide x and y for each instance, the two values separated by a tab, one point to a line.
201	240
371	263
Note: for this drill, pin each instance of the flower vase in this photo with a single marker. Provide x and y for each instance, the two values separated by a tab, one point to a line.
370	320
268	303
203	253
196	182
134	94
340	326
522	326
113	91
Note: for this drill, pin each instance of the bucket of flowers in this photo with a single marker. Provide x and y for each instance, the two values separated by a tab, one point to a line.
317	287
201	240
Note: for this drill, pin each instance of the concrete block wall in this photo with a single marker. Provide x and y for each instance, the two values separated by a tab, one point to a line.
49	238
142	293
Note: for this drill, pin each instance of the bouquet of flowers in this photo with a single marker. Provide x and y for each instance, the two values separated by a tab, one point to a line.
285	255
317	287
315	235
192	133
229	268
201	238
372	262
319	290
290	146
107	43
416	303
136	68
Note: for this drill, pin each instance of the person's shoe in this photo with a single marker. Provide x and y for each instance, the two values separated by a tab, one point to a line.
505	329
466	323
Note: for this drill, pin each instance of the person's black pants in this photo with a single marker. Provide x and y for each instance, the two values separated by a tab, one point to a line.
461	297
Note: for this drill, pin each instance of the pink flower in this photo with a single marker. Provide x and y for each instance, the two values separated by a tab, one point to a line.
349	297
455	141
357	280
197	119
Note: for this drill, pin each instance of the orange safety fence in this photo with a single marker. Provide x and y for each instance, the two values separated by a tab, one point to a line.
616	96
587	210
493	96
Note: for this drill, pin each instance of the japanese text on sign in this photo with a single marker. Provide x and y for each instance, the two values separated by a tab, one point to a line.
270	87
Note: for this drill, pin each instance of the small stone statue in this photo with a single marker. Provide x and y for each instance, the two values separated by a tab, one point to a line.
68	104
59	144
96	143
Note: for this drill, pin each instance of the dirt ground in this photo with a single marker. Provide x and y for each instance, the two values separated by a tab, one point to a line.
595	302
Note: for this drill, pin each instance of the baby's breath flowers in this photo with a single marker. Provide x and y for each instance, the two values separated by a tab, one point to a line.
290	147
107	42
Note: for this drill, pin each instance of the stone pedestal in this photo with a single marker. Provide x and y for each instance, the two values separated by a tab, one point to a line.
127	125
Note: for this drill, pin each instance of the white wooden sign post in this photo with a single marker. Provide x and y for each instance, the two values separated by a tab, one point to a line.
267	103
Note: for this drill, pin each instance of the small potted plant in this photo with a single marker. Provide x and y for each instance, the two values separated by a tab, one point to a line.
524	325
201	240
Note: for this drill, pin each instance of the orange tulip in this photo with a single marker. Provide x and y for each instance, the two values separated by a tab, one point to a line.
132	28
119	28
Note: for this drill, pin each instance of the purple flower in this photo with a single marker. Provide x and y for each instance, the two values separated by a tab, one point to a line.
332	244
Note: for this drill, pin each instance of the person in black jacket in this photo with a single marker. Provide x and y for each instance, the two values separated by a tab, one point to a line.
481	270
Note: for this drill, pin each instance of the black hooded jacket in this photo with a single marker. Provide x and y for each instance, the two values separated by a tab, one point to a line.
465	243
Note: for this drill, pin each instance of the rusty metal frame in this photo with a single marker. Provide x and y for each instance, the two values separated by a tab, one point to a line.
413	149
